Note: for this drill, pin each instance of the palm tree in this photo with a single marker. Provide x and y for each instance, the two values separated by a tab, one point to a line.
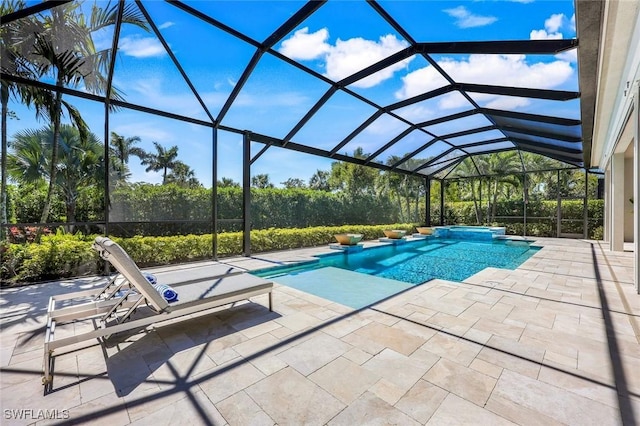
294	183
467	169
228	183
63	49
164	159
80	161
500	168
183	175
406	189
14	37
320	181
261	181
121	149
354	179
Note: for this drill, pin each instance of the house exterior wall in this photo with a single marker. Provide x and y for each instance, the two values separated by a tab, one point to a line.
615	144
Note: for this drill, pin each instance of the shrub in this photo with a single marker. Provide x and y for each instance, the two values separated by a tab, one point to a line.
65	255
57	256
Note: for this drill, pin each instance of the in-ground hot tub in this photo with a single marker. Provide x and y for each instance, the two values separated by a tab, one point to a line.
477	233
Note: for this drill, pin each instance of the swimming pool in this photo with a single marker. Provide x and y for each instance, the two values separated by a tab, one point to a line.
358	279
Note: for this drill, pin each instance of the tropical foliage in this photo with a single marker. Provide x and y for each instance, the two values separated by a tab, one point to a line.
59	45
79	166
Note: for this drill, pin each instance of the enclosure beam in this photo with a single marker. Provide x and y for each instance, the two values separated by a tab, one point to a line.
214	192
246	194
480	196
427	204
558	207
507	47
585	206
617	202
525	201
442	184
107	100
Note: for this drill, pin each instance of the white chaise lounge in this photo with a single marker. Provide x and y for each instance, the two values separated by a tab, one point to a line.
113	306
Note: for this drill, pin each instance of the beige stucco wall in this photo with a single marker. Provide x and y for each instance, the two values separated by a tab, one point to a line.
628	193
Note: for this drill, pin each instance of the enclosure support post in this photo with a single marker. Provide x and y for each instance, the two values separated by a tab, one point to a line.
442	183
585	206
106	170
214	192
558	208
427	201
246	194
480	196
525	201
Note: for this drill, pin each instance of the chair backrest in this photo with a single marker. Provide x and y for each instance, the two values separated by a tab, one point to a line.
114	254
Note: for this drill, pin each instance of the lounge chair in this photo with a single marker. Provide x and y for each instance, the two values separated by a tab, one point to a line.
129	301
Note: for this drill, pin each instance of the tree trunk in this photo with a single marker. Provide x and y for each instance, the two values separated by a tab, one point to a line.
489	197
400	209
72	203
54	160
3	167
495	201
407	198
417	208
475	201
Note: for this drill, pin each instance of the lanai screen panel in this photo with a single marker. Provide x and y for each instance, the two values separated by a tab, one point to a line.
415	85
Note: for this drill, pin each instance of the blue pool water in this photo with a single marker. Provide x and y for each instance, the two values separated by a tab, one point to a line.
394	268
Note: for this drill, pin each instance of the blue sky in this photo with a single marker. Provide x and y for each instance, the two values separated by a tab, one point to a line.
341	38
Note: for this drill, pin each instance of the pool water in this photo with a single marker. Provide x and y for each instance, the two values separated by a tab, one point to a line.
394	268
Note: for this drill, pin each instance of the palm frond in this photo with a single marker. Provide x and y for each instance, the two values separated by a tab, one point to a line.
104	17
77	120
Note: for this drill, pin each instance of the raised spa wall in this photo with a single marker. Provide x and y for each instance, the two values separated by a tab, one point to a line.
477	233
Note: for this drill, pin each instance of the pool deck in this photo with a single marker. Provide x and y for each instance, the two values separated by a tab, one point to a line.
556	341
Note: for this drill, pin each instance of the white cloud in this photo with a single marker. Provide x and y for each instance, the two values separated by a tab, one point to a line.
572	23
350	56
346	57
507	70
304	46
141	47
544	35
501	70
147	131
568	56
555	22
166	25
554	26
168	95
420	81
466	19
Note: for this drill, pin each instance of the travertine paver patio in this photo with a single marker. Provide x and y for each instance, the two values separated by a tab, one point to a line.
554	342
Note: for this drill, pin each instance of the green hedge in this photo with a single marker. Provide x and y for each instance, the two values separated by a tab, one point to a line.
57	256
136	207
66	255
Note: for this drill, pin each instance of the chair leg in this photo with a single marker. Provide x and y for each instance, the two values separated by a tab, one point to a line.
271	301
47	378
